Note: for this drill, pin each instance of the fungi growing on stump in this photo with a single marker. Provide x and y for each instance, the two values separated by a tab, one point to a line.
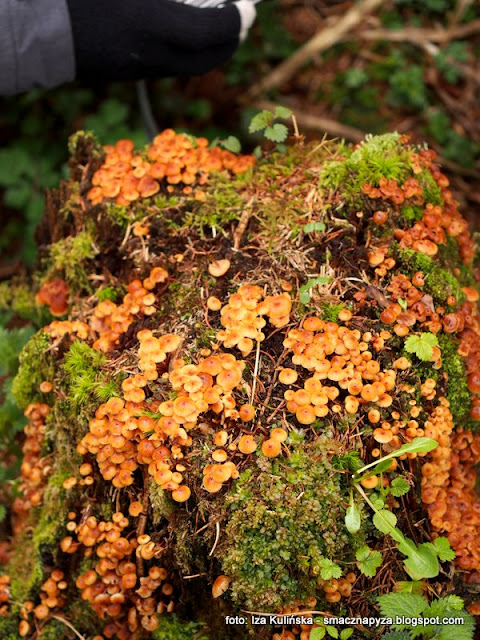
259	392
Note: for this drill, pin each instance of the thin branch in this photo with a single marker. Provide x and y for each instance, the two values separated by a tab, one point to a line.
324	39
420	36
217	538
70	626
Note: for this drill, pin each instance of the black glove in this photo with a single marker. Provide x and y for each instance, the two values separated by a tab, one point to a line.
133	39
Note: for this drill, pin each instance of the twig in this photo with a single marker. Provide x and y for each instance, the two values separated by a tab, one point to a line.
255	372
217	537
70	626
322	40
420	36
242	225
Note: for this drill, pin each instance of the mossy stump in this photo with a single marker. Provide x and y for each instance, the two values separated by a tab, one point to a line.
222	346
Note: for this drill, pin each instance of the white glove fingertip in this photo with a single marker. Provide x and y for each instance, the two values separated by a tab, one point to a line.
248	13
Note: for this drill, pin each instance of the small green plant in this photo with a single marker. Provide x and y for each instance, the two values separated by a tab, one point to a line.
329	630
306	289
422	345
443	619
265	121
421	561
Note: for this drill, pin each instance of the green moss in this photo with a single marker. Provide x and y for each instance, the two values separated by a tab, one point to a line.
171	628
284	518
411	213
35	366
84	139
55	630
330	311
9	627
377	157
223	205
162	505
431	191
440	283
85	379
69	256
108	293
19	298
458	393
50	527
25	569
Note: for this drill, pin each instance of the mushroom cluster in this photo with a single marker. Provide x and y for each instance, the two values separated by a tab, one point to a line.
340	356
171	159
243	318
54	294
35	467
117	587
110	321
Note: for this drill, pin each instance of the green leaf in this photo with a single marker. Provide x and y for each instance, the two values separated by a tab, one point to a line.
304	291
260	121
401	604
396	635
317	634
282	112
418	445
421	561
399	487
311	227
276	133
368	560
352	517
3	512
345	634
384	520
329	569
331	631
232	144
381	467
444	551
422	345
403	303
377	501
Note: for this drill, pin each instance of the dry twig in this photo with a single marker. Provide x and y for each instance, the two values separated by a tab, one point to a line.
324	39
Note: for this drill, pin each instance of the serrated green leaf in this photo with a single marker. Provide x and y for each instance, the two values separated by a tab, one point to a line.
345	634
260	121
282	112
352	516
317	634
444	550
399	487
331	631
401	604
422	345
329	569
276	133
384	520
368	560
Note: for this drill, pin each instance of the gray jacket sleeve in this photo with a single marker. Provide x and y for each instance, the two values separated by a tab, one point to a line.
36	45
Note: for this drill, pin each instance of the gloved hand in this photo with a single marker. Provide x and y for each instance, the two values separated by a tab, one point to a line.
134	39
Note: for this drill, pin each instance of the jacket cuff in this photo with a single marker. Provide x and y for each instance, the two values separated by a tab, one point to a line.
36	47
